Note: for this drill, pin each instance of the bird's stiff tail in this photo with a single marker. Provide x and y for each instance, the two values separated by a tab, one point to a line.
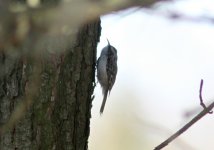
104	101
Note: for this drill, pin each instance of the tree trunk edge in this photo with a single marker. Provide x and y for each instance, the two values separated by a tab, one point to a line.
60	116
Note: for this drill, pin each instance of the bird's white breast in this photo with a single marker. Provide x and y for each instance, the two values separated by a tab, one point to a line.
102	74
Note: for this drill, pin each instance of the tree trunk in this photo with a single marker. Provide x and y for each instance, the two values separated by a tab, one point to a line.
59	116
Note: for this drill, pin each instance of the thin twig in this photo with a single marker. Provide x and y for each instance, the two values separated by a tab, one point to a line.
190	113
185	127
200	96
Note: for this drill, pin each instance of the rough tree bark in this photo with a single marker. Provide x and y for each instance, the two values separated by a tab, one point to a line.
59	116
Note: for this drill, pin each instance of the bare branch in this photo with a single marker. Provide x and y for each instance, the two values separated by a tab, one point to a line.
180	16
63	19
193	121
185	127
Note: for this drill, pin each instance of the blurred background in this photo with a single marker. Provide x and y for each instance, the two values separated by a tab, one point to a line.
163	54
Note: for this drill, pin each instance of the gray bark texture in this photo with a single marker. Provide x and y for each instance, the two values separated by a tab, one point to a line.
59	116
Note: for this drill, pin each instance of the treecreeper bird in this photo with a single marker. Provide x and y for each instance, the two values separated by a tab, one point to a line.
107	71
